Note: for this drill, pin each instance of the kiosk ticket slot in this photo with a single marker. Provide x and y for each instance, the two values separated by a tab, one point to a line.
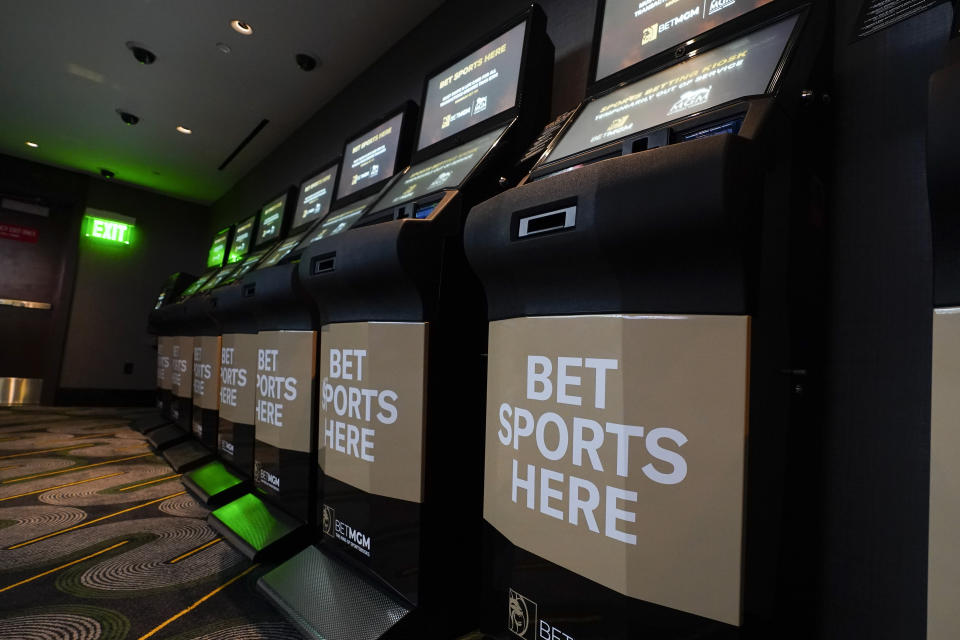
943	140
400	362
622	299
280	367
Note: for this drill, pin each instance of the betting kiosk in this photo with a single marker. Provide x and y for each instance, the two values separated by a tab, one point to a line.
222	481
172	288
400	364
216	481
285	434
172	348
632	284
943	142
196	323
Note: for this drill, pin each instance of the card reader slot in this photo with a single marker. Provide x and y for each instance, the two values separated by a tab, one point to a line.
323	263
559	220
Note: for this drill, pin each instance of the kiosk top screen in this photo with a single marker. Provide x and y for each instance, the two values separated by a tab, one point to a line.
315	196
219	277
218	248
371	157
281	251
475	88
241	240
633	31
445	171
271	220
739	68
340	220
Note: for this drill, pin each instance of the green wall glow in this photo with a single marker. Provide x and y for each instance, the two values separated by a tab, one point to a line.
111	231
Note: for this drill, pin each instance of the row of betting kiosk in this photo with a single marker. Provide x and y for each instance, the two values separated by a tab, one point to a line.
438	400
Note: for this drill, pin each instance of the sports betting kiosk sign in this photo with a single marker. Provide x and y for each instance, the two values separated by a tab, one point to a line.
615	448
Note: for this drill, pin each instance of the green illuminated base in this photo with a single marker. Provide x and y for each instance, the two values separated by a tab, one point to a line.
258	529
214	484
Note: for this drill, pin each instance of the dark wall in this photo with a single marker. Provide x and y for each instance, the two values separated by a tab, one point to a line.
399	76
876	446
31	340
100	296
117	286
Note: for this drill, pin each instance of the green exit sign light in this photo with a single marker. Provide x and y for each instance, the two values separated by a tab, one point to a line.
107	230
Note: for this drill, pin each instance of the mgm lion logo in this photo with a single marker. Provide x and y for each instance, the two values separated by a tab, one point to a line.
521	616
329	517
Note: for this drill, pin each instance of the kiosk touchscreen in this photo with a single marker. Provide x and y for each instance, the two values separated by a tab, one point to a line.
943	140
631	343
275	355
400	362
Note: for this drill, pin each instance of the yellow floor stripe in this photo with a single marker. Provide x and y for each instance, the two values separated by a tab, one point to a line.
143	484
94	521
61	486
95	435
33	453
86	466
197	550
64	566
198	602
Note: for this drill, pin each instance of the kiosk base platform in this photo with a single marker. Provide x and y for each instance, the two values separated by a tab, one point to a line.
166	436
187	455
258	530
149	422
327	600
214	484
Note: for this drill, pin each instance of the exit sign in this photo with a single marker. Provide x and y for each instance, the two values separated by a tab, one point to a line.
113	231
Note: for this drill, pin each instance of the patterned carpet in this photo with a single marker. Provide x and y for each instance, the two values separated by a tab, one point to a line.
98	540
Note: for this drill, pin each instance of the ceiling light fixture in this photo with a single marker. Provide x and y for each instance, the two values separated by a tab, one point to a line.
183	129
241	27
32	145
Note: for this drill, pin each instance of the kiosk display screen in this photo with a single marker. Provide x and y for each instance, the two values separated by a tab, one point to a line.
475	88
739	68
340	220
281	251
241	240
315	196
370	158
195	285
245	267
219	277
271	220
633	31
445	171
218	248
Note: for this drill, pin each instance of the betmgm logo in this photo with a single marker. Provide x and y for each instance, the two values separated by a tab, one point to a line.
521	616
650	33
691	99
328	521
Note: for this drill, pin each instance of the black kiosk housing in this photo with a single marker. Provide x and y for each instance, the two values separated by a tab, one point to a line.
175	351
635	287
943	142
395	289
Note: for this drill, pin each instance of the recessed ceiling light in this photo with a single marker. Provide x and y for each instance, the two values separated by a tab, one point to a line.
183	129
33	145
241	27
